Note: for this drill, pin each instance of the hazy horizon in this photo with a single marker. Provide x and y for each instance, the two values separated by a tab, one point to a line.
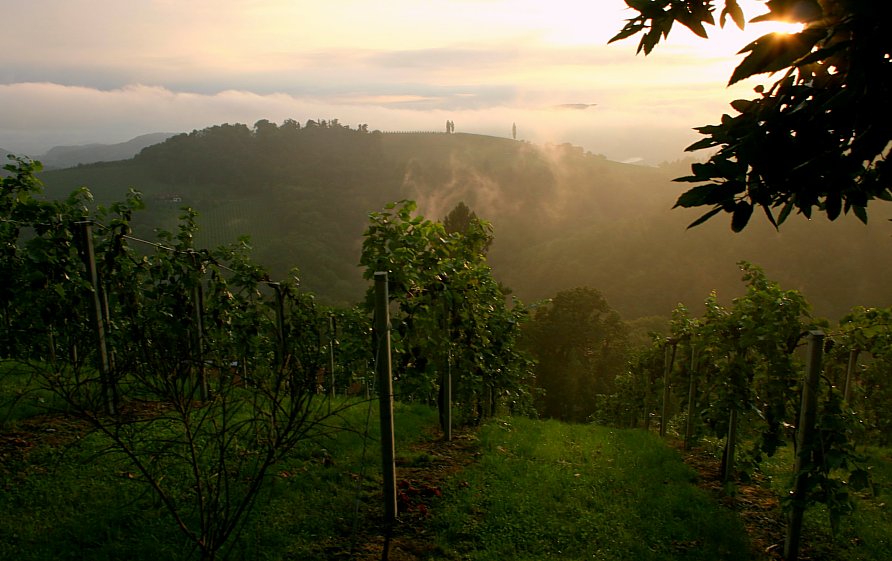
76	72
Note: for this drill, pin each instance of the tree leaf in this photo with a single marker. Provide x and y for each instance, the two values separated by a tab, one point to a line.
710	194
732	9
631	28
791	10
701	144
696	196
697	27
741	105
770	216
823	53
705	217
742	213
833	205
788	208
775	51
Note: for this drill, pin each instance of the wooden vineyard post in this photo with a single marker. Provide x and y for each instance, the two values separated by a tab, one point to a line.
104	372
850	373
385	394
448	395
198	298
804	442
667	370
198	307
648	386
331	358
110	350
692	388
730	447
445	394
280	324
729	458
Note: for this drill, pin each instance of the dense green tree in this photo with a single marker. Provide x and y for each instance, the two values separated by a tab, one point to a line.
452	316
462	220
579	343
817	138
459	218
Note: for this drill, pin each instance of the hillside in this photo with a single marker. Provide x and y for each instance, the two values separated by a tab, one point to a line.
562	217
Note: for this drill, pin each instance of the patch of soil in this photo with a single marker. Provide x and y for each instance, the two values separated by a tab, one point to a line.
757	506
18	442
44	430
420	480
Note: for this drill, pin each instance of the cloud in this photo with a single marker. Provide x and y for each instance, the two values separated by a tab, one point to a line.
574	106
51	114
447	58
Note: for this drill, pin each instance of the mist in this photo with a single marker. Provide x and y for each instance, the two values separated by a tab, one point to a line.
51	115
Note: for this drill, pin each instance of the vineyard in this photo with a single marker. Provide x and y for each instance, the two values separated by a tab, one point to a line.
202	387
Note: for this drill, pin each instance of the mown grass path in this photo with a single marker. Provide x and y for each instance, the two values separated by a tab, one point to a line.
521	489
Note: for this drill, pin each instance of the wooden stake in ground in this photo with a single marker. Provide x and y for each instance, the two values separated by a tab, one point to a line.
804	443
385	394
692	388
331	358
108	391
667	371
850	374
198	308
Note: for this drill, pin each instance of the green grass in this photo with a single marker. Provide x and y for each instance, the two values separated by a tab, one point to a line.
538	490
546	490
65	502
21	396
336	482
69	498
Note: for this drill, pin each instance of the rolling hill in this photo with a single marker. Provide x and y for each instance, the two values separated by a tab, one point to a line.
562	217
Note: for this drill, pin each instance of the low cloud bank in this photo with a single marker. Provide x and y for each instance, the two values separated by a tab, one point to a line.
622	127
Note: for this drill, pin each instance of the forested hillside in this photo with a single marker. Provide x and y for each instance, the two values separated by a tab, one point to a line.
562	217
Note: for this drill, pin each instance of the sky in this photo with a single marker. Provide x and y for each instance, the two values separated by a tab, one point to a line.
100	71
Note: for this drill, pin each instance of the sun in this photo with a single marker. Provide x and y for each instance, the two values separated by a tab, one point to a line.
730	40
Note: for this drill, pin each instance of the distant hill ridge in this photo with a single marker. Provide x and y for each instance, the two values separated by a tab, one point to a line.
562	217
69	156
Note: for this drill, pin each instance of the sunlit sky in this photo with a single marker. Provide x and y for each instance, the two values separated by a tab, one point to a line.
85	71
